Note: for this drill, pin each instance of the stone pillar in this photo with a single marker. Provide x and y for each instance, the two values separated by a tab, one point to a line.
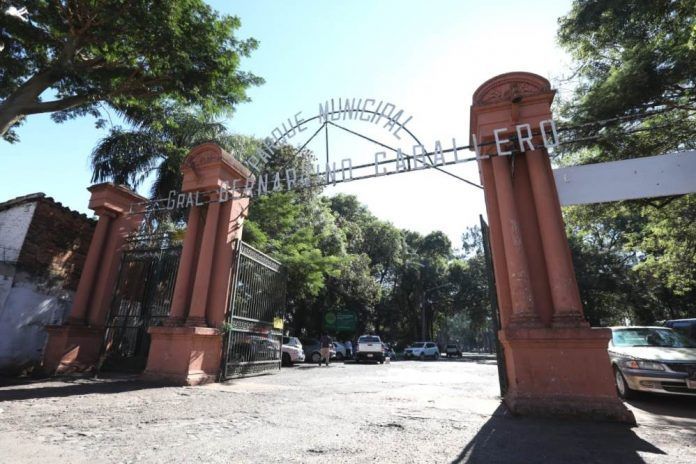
76	346
201	286
555	363
78	313
182	286
567	307
188	350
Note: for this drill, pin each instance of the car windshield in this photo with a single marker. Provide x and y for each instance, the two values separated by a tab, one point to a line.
368	339
646	336
418	345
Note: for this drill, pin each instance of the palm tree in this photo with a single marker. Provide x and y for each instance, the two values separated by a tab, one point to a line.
154	146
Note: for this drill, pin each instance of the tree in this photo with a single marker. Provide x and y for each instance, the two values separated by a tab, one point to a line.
157	145
636	68
73	58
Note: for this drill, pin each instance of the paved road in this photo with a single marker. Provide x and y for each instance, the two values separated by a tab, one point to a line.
403	412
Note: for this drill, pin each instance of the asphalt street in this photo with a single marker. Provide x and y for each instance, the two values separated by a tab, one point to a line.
401	412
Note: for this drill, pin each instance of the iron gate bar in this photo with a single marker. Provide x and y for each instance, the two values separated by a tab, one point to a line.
142	299
253	344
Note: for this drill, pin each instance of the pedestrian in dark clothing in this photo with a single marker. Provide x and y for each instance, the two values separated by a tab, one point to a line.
325	348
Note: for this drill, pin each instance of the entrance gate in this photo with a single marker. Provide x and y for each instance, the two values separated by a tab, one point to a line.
141	300
255	317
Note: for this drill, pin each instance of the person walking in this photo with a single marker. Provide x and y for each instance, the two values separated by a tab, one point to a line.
325	348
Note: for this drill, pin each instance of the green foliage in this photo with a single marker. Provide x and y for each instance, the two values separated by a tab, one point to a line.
134	56
636	66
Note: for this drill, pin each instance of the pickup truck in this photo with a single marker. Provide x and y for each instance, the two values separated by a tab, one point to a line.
369	348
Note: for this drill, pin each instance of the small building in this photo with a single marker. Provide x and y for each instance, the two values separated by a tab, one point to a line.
43	246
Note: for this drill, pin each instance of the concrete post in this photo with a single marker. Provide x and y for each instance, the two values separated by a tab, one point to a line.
76	346
182	296
555	363
84	288
191	354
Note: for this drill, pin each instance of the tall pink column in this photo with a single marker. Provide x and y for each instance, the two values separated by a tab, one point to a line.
555	364
89	271
191	353
76	346
567	307
182	286
201	286
523	311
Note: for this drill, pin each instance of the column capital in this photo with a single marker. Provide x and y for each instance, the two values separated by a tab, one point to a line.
109	199
208	167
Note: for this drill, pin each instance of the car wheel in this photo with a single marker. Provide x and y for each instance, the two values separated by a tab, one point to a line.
622	387
422	357
339	356
316	357
286	360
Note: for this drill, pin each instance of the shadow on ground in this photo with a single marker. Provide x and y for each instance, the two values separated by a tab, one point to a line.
27	389
509	439
665	405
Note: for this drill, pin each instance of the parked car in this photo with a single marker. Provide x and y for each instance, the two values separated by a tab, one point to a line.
292	351
685	326
422	350
252	348
312	350
452	349
340	349
652	359
369	348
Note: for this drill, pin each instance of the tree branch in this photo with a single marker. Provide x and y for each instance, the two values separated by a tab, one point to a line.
60	105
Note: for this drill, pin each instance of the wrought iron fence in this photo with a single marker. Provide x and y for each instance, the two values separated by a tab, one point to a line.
257	309
142	299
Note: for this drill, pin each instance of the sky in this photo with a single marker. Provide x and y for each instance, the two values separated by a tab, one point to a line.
427	58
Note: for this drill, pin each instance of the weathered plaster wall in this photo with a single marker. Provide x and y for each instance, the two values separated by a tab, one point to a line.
28	307
14	224
38	283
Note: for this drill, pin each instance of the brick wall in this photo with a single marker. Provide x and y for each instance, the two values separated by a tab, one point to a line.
56	244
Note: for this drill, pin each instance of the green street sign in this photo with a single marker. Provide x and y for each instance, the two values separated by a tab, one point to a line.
346	321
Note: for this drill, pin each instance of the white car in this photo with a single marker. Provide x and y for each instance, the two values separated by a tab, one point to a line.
422	350
340	350
292	351
652	359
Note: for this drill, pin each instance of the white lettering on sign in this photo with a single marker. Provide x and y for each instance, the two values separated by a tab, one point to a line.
294	178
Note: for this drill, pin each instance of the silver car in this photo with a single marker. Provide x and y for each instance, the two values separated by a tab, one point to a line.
652	359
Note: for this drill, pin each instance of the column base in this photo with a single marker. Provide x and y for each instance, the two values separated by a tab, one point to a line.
525	320
183	355
573	407
569	319
562	372
72	348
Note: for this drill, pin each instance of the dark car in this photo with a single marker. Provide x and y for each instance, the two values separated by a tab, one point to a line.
452	349
684	326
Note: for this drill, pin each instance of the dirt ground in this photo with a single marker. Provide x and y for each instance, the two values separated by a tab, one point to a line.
402	412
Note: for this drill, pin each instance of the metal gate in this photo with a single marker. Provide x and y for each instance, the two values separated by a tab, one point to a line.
495	311
142	299
255	317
